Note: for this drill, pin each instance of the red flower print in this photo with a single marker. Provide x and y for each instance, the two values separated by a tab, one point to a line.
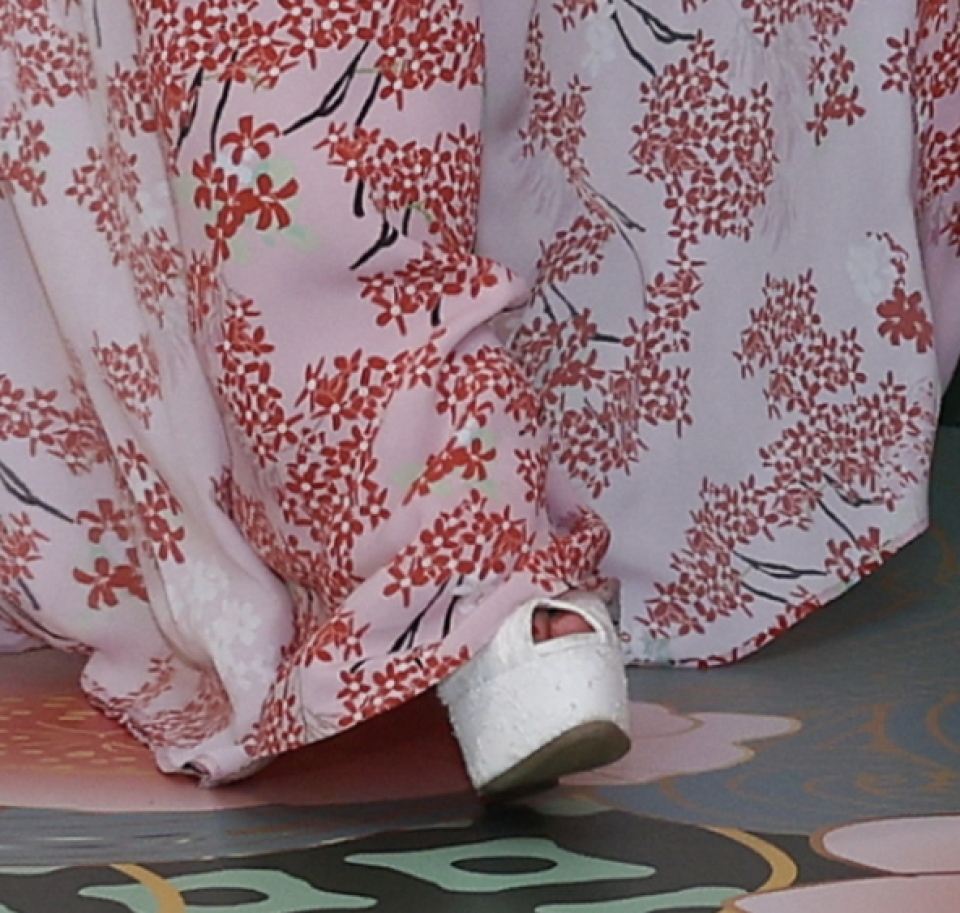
106	519
472	460
157	508
19	548
267	202
247	137
905	319
133	374
11	398
108	578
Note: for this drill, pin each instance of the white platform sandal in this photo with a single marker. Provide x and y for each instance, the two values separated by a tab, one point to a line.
526	713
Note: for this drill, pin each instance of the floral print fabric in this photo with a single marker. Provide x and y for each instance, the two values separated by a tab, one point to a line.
263	457
741	227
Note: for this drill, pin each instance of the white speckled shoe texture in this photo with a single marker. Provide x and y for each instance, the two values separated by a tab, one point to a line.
526	713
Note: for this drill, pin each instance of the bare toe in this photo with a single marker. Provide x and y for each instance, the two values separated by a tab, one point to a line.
563	624
551	623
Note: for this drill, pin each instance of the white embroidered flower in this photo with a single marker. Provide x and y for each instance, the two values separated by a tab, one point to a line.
870	270
245	170
602	41
191	590
473	590
207	584
467	586
231	628
155	205
237	626
467	433
234	639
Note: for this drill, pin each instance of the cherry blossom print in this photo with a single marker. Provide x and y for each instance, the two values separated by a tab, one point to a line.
940	169
590	405
834	95
720	338
23	149
428	43
711	149
106	176
905	316
366	693
106	581
258	424
133	373
207	713
107	519
52	60
574	11
237	197
42	421
830	79
856	447
20	546
906	320
414	180
597	414
158	508
422	285
314	487
824	20
128	93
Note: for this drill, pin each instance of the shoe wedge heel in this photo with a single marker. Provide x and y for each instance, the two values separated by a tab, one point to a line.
527	713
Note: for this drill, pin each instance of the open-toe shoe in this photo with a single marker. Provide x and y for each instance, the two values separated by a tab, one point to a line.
527	713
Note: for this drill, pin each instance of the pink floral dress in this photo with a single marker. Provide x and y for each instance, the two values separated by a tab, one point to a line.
741	228
264	456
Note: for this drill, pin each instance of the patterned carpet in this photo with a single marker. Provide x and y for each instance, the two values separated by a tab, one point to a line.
821	775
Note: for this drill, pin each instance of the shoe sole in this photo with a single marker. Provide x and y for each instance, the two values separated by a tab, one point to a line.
585	747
